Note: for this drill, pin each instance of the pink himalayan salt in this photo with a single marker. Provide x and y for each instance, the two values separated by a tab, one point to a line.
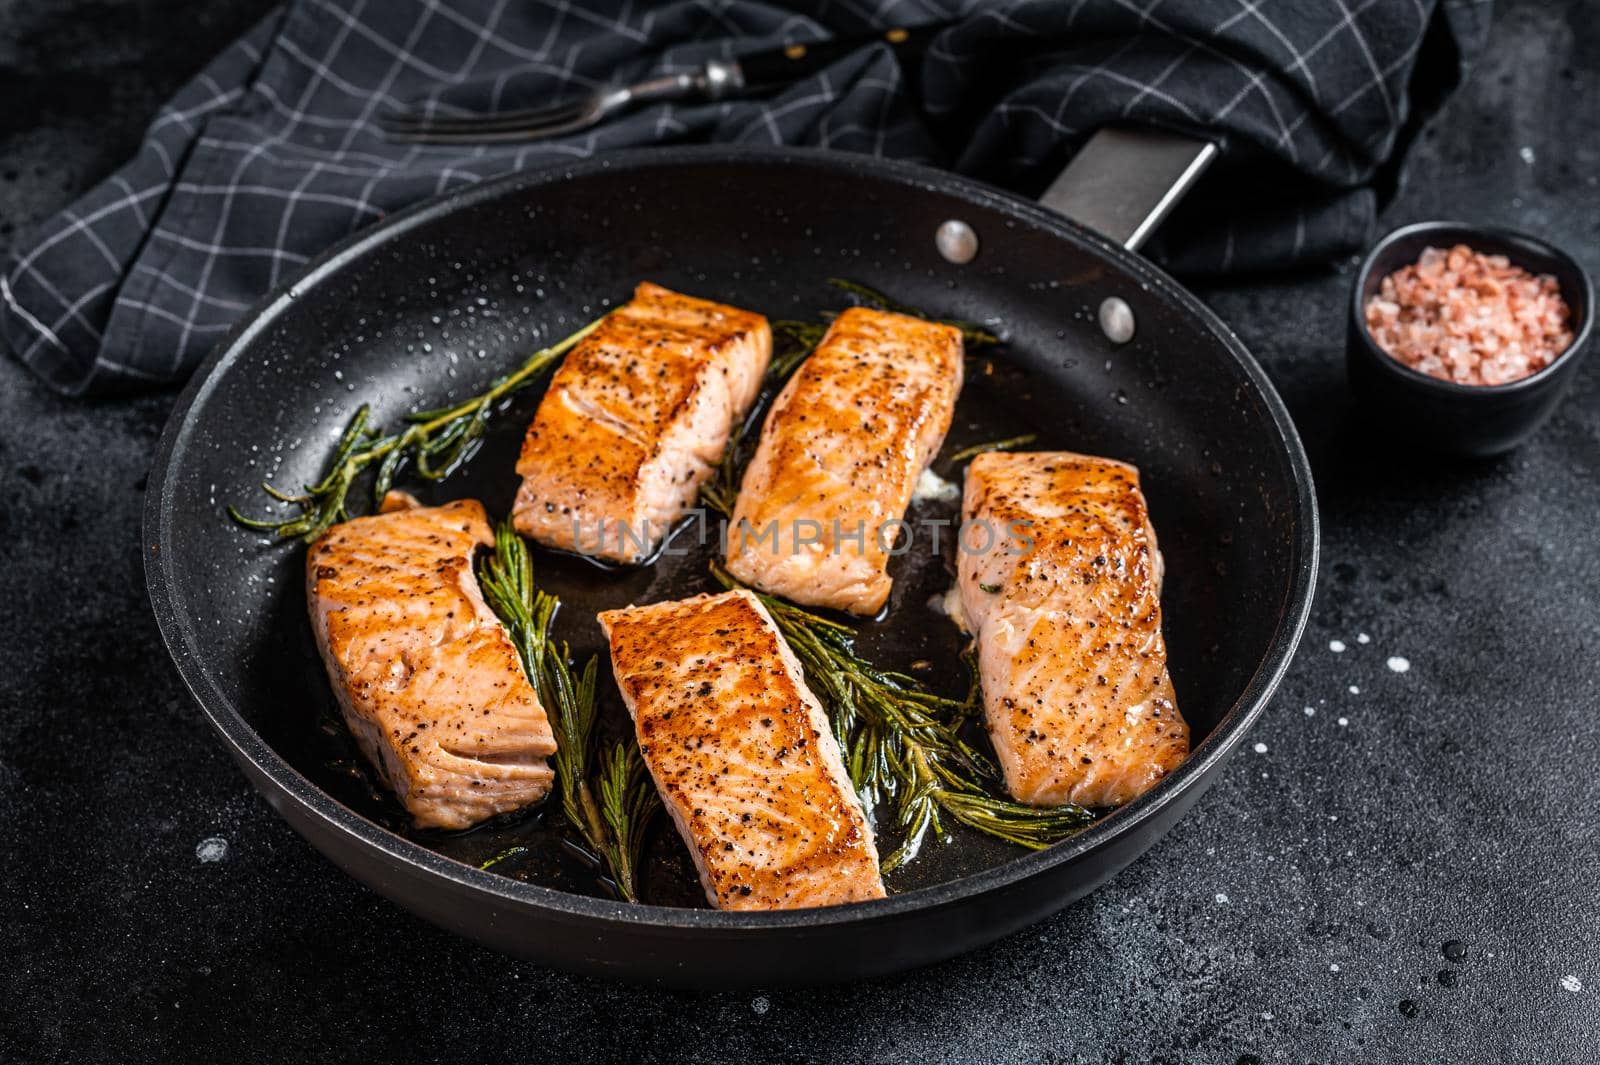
1470	318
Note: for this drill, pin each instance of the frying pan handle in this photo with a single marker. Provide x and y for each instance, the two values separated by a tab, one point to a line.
1123	182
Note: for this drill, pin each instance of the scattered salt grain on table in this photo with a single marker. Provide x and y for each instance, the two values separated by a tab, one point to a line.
1336	646
1399	665
1475	319
211	849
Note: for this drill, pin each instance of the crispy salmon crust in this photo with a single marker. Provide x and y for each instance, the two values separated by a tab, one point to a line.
1060	580
839	459
428	680
635	421
742	754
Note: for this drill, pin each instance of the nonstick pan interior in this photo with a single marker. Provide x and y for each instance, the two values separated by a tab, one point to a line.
457	292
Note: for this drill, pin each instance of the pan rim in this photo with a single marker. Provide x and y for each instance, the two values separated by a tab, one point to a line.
247	744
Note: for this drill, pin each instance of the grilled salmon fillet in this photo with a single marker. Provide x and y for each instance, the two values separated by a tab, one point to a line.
1060	582
839	458
429	682
742	754
634	422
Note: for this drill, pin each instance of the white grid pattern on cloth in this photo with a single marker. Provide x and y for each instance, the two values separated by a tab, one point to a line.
271	153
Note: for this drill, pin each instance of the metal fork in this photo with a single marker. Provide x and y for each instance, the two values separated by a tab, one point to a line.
716	79
713	81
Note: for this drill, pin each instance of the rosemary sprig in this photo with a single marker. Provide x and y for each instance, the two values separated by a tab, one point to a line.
901	745
628	803
505	855
571	707
610	803
994	445
435	441
972	706
526	610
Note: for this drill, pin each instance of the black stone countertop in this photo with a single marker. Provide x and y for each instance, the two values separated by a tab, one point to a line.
1298	914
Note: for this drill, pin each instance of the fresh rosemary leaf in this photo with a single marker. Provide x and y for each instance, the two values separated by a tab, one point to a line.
994	445
608	807
436	442
509	852
628	803
506	578
901	743
569	701
1034	827
972	705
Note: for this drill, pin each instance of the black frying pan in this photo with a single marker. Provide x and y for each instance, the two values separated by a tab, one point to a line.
435	301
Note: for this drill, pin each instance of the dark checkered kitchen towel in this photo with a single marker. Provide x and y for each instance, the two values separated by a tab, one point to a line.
271	153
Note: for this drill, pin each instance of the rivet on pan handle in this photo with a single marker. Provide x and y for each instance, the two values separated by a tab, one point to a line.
1123	182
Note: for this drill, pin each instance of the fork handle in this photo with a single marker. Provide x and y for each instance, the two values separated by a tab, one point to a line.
782	66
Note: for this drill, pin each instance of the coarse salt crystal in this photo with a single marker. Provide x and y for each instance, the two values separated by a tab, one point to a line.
1471	318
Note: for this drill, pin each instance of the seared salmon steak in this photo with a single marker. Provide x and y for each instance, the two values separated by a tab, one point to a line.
839	457
742	754
429	682
1060	582
635	421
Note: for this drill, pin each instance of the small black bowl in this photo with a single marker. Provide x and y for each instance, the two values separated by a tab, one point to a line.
1462	419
